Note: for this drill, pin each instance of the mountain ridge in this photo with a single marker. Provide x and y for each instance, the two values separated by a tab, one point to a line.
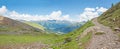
15	27
59	26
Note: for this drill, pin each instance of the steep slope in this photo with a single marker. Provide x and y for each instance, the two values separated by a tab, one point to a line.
111	17
36	25
102	37
73	40
37	41
104	34
9	26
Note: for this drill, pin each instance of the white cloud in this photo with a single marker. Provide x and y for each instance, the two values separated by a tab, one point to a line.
27	17
101	9
55	15
87	14
89	9
90	13
3	10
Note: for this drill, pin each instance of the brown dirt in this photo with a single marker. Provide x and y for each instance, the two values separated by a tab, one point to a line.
108	40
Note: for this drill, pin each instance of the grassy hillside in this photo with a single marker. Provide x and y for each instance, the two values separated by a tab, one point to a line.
69	41
26	38
10	26
35	25
66	41
111	17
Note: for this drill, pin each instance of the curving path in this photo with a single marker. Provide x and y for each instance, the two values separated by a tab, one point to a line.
108	40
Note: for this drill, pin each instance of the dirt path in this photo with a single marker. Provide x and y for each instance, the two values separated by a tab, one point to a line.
108	40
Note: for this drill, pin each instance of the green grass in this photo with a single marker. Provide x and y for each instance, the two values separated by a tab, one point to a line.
73	35
8	29
78	31
4	29
35	25
111	17
99	33
56	40
119	35
85	39
16	39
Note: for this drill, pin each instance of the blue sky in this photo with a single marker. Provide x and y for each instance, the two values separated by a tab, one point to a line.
47	6
43	7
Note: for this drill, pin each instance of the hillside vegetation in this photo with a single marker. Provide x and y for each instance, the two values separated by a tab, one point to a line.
65	41
111	17
35	25
9	26
71	40
15	32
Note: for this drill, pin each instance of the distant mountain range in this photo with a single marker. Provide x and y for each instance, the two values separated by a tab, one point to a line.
59	26
11	26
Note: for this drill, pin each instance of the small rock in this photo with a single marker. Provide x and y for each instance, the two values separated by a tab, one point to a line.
22	48
28	47
104	48
80	43
112	43
50	48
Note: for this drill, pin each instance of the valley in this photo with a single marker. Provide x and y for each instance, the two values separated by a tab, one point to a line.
60	27
101	32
